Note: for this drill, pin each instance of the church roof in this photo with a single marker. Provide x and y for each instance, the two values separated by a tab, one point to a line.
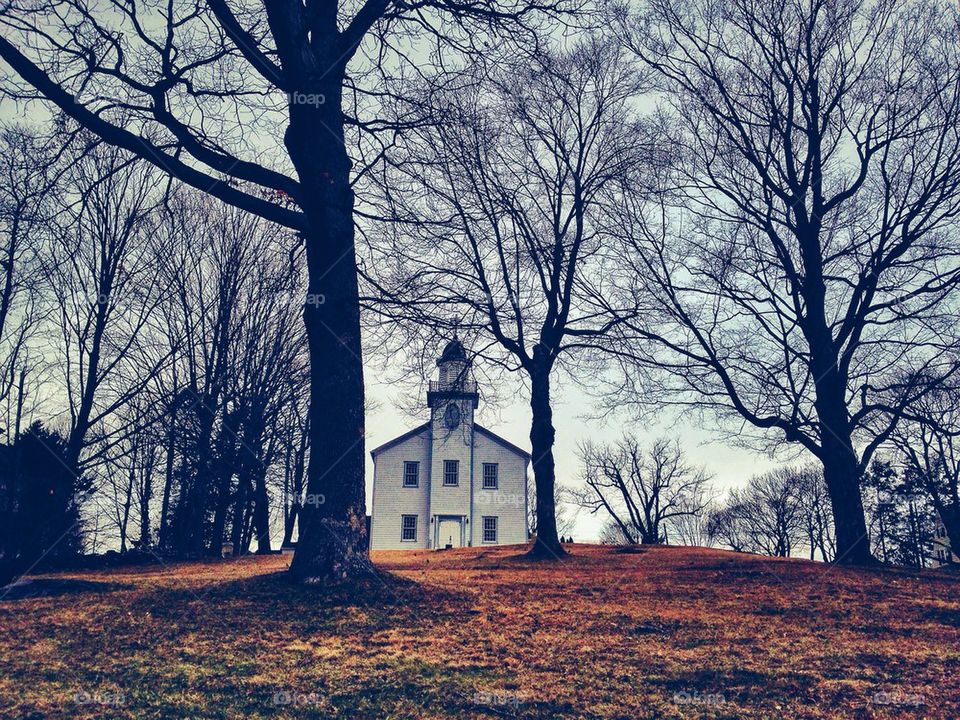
454	350
400	438
426	426
502	441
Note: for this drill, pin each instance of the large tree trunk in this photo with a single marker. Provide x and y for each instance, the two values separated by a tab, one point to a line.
842	475
841	470
332	542
547	544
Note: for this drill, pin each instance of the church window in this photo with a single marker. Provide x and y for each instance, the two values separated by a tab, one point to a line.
489	529
411	474
408	530
451	472
491	479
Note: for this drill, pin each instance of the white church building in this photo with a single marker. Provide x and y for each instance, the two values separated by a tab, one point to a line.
449	482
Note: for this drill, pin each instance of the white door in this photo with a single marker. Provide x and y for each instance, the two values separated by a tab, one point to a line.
449	533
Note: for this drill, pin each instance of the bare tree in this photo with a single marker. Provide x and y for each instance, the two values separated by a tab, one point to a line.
725	526
27	210
691	526
805	249
643	490
929	443
105	289
611	534
236	100
816	515
496	215
764	516
235	394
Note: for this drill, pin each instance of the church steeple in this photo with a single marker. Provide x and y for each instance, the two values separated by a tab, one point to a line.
455	381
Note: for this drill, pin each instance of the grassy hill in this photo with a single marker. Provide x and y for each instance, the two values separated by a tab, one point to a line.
661	633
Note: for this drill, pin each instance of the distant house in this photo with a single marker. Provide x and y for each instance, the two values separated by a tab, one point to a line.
449	482
941	547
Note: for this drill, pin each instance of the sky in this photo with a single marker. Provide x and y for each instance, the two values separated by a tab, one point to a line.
573	406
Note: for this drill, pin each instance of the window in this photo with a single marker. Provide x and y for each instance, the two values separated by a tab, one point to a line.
451	472
408	530
489	529
411	474
490	479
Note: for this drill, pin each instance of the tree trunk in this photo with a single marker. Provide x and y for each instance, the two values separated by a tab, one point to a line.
295	492
547	544
128	499
225	475
841	470
239	518
332	542
261	512
145	492
842	475
290	523
163	539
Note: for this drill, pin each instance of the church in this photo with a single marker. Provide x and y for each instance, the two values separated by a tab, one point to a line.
449	482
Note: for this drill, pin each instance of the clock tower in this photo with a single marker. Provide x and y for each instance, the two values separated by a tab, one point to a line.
452	398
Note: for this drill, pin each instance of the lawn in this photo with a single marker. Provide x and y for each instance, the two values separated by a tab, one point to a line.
659	633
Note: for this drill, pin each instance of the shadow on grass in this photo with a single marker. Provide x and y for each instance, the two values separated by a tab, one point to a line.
275	603
56	587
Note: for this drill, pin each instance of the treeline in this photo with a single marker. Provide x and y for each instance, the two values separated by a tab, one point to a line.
652	494
151	343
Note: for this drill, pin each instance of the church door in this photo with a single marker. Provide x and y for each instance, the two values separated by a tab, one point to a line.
448	533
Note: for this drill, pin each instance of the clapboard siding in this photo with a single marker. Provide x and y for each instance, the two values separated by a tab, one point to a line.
391	500
508	502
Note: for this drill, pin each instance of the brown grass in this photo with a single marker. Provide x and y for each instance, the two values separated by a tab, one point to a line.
664	633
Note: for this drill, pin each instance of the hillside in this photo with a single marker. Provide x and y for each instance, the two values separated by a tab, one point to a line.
663	633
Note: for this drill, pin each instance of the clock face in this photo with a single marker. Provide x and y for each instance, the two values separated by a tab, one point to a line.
451	416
